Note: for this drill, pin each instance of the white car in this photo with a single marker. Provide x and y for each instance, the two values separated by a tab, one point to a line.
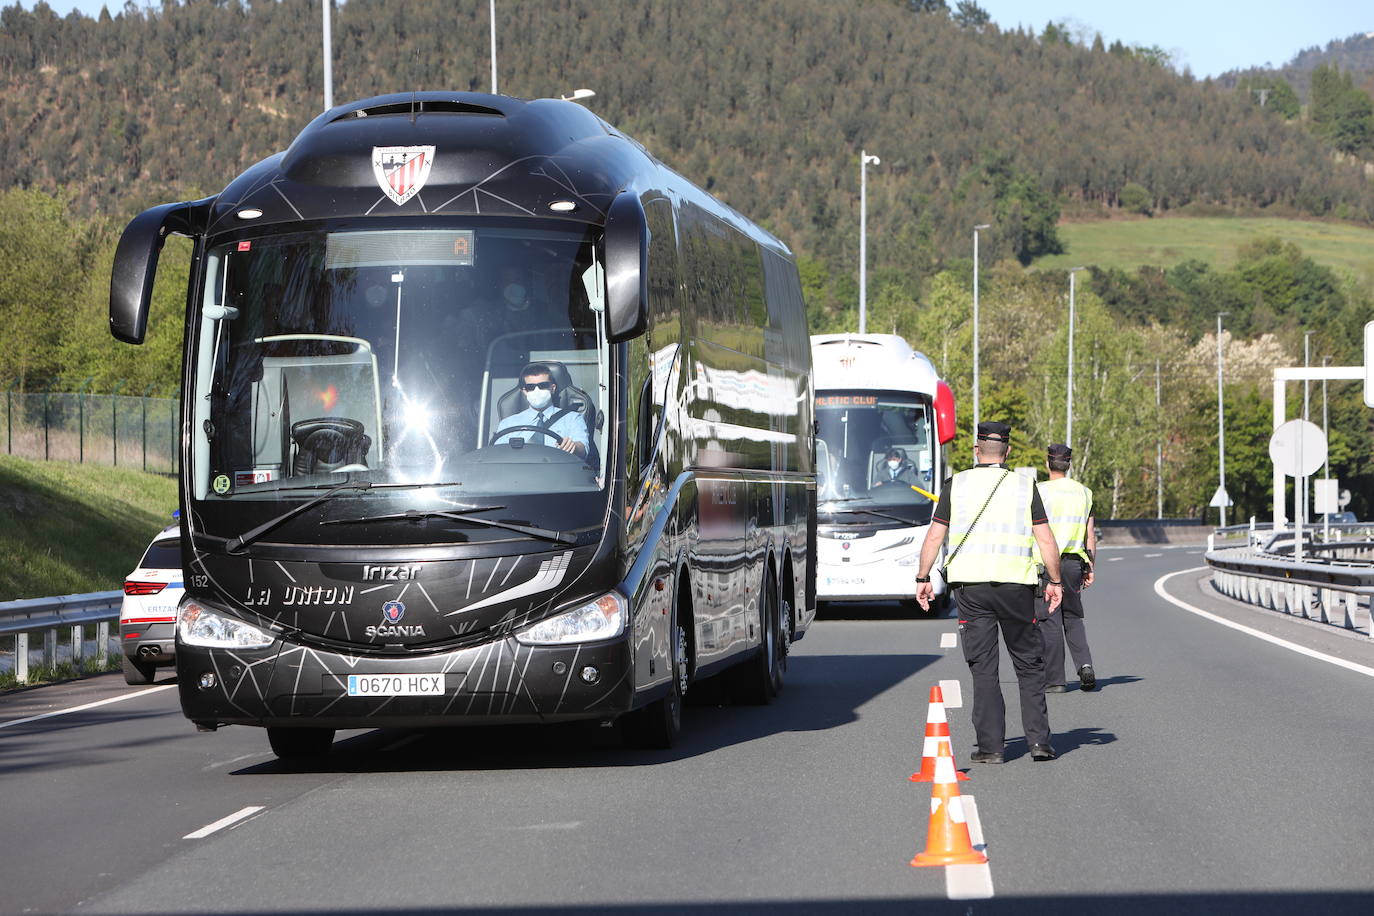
148	616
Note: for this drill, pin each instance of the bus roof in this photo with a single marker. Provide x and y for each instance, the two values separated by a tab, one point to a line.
870	361
488	155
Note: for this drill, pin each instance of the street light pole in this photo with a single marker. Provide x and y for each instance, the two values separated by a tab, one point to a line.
492	19
1068	422
864	160
328	56
975	325
1221	428
1326	465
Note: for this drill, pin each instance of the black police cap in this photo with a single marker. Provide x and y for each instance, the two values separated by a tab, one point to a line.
1059	450
994	431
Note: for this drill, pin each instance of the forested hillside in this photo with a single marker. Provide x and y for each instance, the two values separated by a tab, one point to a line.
766	104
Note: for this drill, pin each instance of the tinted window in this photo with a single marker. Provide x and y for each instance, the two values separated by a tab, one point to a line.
162	555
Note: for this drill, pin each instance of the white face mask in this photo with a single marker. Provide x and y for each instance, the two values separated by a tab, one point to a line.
515	296
538	398
893	463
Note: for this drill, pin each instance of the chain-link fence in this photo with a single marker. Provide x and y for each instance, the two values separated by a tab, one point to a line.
126	431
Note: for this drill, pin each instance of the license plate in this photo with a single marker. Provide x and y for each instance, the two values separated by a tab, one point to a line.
395	685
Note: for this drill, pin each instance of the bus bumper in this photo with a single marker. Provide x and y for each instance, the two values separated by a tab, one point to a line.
494	683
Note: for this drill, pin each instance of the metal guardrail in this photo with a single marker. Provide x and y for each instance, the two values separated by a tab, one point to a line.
1333	591
48	616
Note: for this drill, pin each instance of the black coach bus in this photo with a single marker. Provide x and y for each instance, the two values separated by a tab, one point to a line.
380	528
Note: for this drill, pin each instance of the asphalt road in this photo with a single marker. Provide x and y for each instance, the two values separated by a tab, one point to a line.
1212	772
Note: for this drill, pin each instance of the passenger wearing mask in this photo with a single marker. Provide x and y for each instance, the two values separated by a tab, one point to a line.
568	431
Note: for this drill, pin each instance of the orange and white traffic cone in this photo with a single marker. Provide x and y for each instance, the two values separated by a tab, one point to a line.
937	730
948	841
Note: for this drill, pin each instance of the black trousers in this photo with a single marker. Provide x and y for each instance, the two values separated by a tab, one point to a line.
1066	624
984	609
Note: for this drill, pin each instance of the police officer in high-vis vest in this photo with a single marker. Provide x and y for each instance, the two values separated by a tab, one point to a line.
1070	508
995	520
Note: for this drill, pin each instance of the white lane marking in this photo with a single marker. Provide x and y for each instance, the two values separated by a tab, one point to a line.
949	640
223	822
85	706
1258	634
231	761
970	882
953	694
1148	555
1115	559
564	825
1196	553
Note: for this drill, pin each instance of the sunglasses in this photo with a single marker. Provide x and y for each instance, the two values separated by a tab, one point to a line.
531	386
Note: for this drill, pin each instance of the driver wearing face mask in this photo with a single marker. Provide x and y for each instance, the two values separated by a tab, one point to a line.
895	469
566	427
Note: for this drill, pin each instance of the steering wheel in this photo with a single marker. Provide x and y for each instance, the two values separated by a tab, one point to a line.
525	428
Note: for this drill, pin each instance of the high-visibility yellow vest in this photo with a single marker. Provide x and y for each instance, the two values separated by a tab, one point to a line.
1069	505
999	548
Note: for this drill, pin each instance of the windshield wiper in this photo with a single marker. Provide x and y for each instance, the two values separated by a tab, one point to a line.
243	540
895	518
419	514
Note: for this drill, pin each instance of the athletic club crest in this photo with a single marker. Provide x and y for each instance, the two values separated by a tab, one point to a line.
402	170
393	611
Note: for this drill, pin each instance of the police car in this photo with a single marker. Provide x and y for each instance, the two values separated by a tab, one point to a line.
147	618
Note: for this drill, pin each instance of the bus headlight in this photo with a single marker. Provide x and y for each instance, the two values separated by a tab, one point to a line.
197	625
603	618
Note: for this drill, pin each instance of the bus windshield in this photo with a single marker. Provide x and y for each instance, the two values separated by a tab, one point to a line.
875	452
402	356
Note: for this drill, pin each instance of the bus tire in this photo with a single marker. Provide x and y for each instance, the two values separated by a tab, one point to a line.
759	680
658	725
137	672
293	743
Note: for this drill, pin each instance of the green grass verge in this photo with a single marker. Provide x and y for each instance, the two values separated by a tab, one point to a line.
1167	241
72	528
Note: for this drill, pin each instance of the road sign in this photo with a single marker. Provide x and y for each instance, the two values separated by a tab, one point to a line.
1325	496
1344	500
1220	500
1298	448
1369	364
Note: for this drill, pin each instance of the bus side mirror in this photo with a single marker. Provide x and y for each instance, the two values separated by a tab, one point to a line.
135	263
627	269
945	428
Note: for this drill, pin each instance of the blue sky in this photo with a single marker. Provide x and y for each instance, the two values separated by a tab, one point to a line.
1208	36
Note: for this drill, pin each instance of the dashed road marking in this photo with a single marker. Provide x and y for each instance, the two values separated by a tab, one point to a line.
85	706
953	694
223	822
970	882
1115	559
1148	555
949	640
1258	634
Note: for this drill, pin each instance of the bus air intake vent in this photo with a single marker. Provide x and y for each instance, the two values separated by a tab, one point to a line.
420	106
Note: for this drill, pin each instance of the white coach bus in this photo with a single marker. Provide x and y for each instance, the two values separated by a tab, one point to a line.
883	417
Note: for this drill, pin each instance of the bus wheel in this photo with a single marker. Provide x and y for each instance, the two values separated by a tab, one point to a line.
658	725
292	743
759	680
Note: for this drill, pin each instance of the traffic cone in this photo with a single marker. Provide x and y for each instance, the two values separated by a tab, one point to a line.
948	841
937	729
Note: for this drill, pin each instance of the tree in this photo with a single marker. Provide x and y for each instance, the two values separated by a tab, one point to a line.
1135	198
969	15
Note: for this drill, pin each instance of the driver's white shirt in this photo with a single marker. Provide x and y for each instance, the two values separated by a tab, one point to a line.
569	426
